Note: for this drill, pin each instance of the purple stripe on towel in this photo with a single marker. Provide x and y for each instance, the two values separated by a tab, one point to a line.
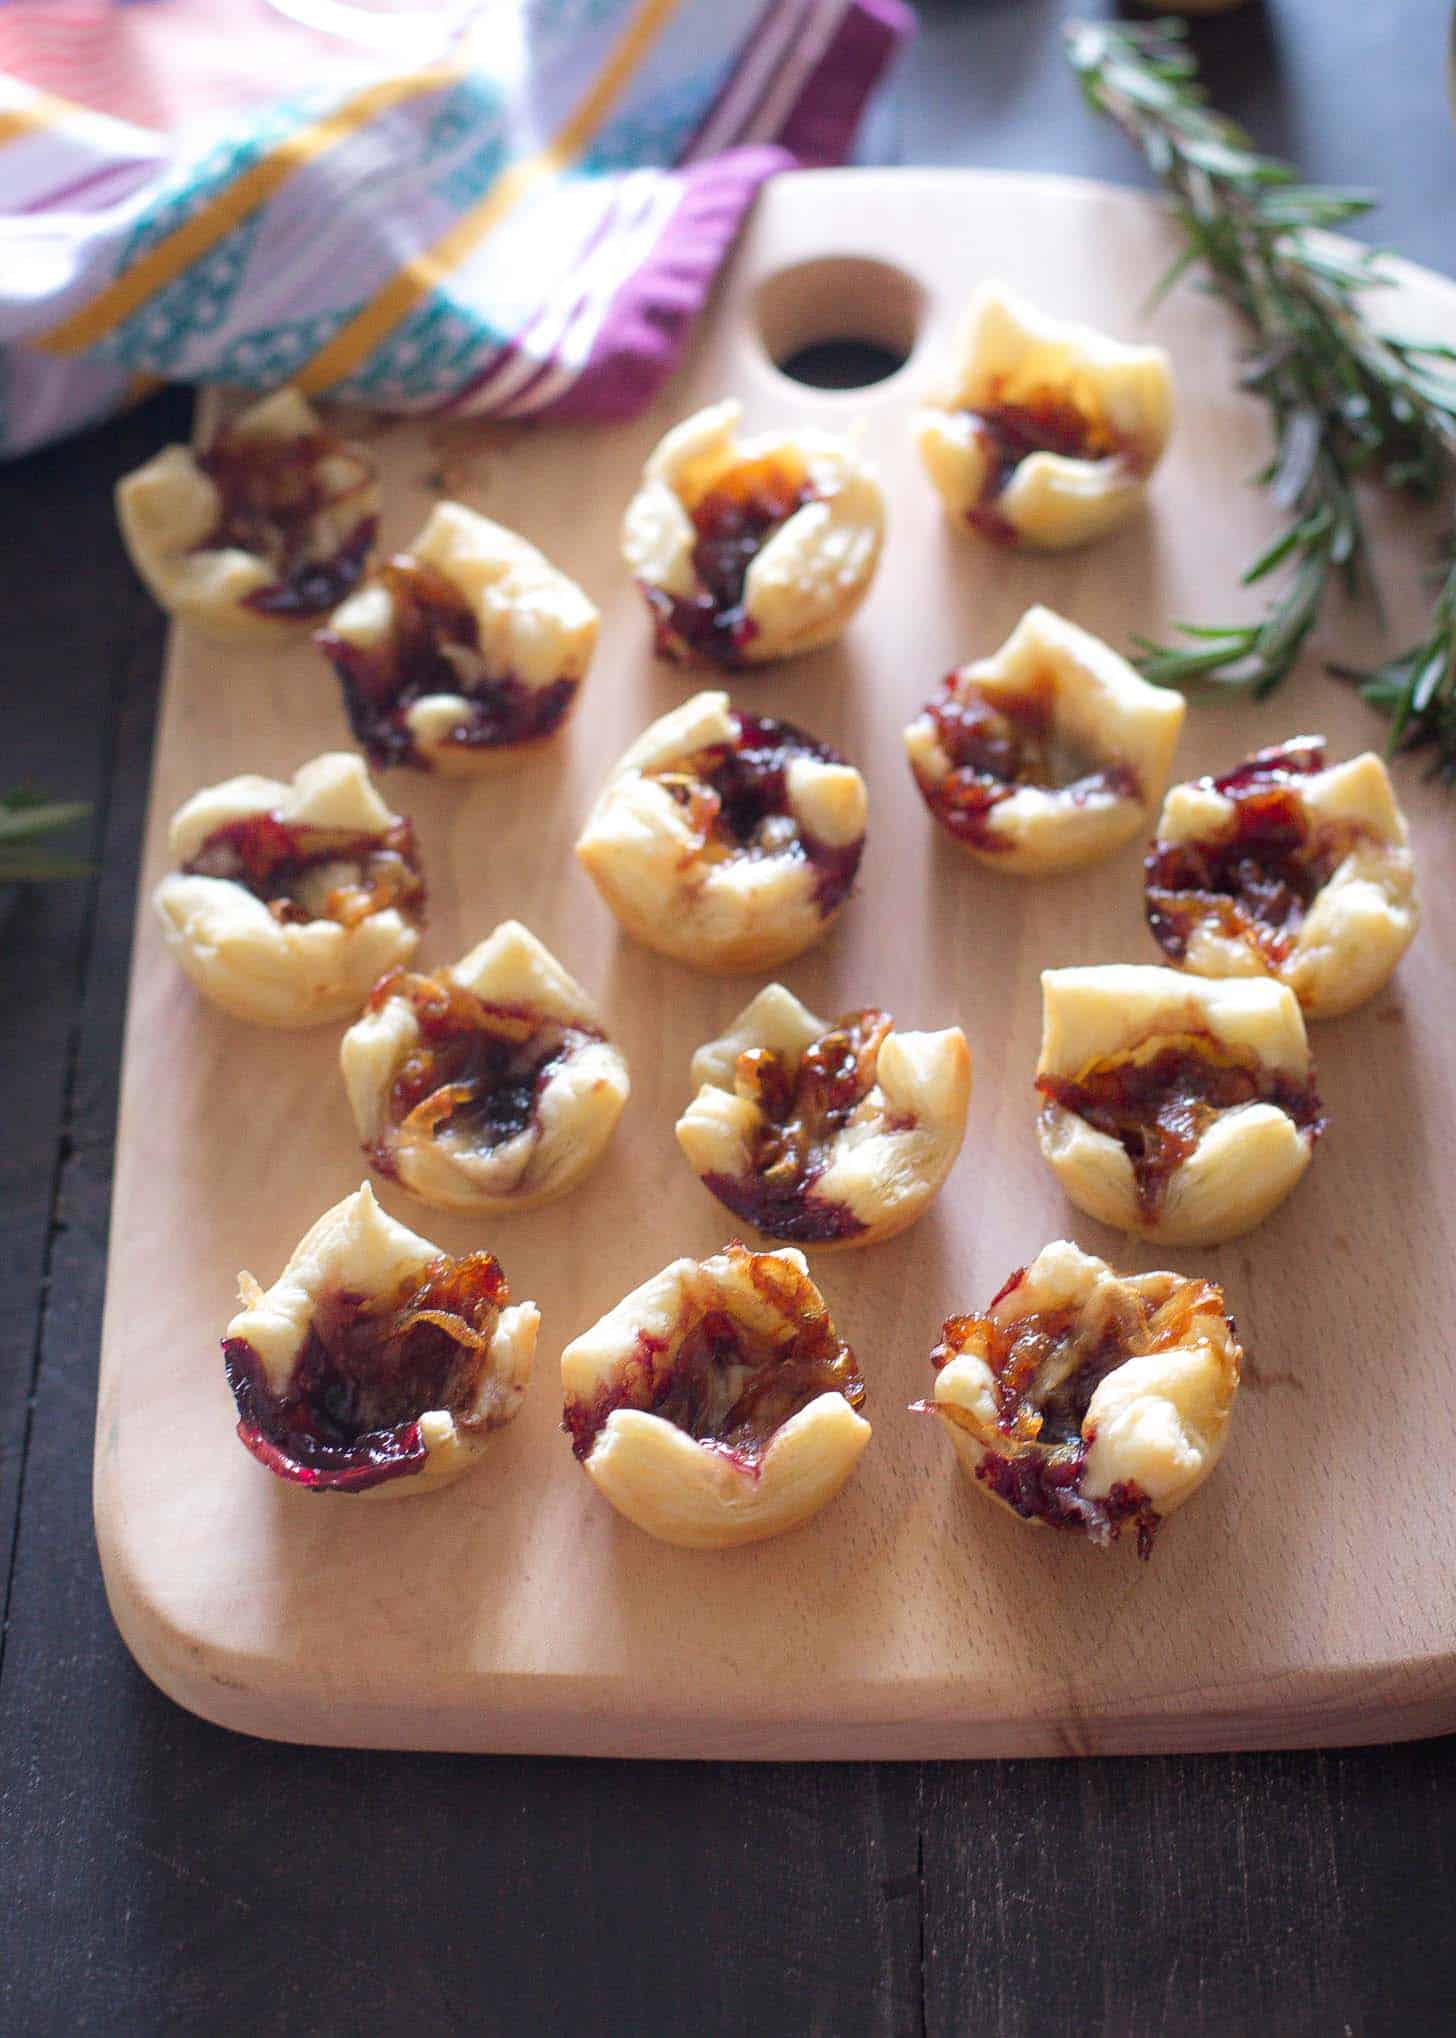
527	397
471	396
822	122
644	331
652	312
105	185
771	26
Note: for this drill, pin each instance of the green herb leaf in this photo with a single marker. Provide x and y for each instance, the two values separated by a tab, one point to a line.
26	815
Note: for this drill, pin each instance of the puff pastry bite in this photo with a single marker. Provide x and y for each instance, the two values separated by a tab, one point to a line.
272	523
1089	1400
376	1364
1048	754
728	840
461	651
748	550
486	1086
827	1135
1044	432
1289	868
1177	1108
291	899
716	1404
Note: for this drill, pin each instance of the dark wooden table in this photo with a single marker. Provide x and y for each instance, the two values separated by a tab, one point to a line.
157	1874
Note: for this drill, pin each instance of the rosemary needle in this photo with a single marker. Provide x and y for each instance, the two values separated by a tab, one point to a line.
26	815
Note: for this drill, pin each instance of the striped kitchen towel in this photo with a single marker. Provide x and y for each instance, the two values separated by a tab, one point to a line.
510	208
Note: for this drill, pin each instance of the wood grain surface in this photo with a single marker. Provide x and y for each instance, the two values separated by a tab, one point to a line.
515	1611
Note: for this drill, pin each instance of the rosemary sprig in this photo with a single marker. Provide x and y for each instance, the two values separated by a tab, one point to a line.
1346	400
25	815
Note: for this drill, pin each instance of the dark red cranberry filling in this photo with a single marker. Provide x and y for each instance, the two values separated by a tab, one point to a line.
739	793
803	1111
1047	423
724	1385
479	1068
1256	881
433	647
273	859
1045	1370
275	504
795	1214
732	523
998	742
1044	422
366	1373
1159	1109
1301	757
1048	1488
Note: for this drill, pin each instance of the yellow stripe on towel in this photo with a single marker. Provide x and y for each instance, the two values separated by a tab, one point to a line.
38	111
354	342
257	184
43	113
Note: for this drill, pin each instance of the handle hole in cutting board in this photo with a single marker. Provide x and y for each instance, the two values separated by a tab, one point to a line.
839	322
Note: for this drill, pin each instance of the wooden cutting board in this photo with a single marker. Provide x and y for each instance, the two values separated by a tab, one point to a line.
1304	1597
